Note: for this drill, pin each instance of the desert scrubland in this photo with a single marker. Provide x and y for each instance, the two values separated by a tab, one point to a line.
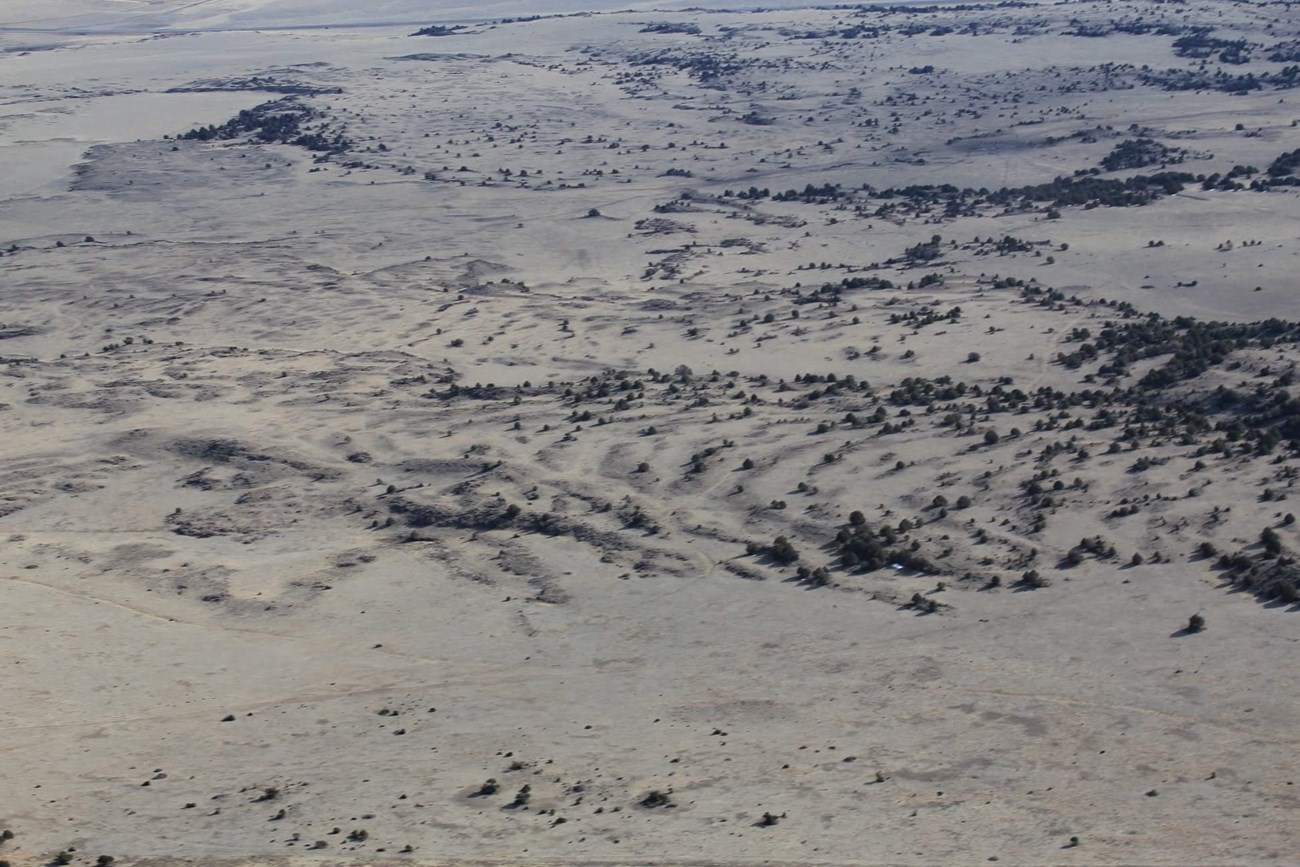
857	435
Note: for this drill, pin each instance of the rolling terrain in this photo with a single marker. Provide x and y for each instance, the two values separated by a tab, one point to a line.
827	436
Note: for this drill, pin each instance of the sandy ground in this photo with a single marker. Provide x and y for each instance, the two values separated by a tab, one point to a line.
336	485
140	15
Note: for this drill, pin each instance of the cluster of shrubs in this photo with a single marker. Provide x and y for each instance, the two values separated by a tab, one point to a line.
1193	345
1285	52
439	30
1219	81
1201	46
685	28
781	550
1270	573
863	549
1286	164
702	66
1139	153
277	122
1083	188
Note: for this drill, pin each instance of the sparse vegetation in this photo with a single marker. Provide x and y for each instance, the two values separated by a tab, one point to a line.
568	371
656	799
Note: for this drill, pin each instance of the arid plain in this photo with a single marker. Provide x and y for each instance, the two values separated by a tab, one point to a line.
809	436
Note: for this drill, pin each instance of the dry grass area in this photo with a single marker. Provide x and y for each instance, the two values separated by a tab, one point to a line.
824	436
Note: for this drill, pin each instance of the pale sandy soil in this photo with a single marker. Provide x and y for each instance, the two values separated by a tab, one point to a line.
333	487
119	15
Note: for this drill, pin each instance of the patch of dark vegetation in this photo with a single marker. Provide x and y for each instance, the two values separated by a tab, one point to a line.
1032	580
225	451
1200	45
279	122
811	195
1130	26
1285	165
1228	181
924	392
11	332
781	551
1220	81
1285	52
440	30
263	83
1091	191
656	799
487	790
1083	189
684	28
864	549
1139	153
1269	571
499	515
1193	346
704	67
918	10
834	292
1281	172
